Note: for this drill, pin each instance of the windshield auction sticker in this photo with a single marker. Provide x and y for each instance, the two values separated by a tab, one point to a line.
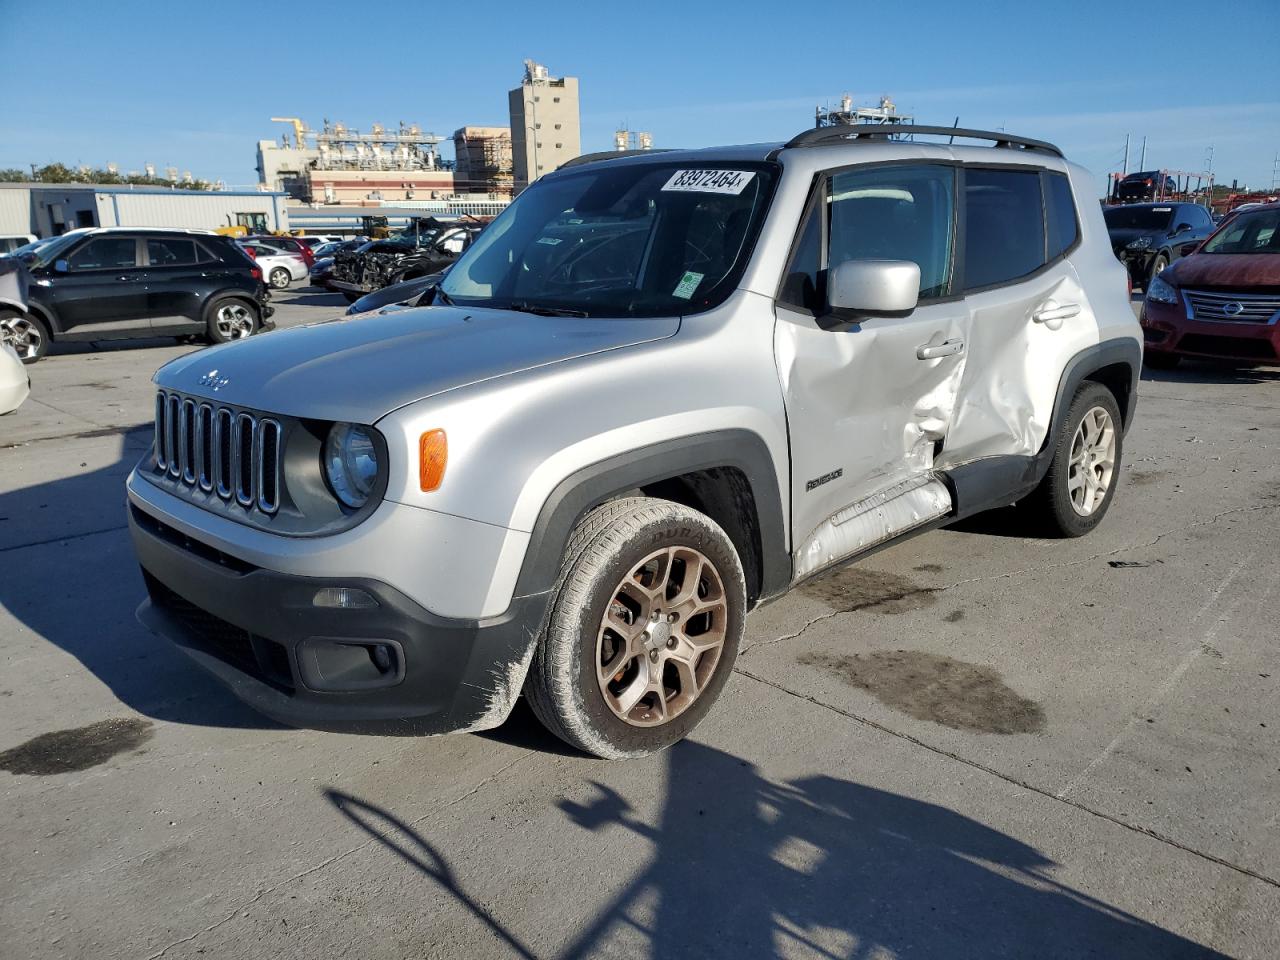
709	181
688	283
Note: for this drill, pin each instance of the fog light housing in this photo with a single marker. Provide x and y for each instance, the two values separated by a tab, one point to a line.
336	664
343	598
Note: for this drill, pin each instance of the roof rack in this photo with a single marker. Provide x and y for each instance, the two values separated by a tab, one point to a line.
608	155
852	133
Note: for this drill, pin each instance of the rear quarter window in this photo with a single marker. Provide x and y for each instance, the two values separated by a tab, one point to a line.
1061	225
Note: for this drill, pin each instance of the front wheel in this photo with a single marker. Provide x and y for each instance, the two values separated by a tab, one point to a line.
279	278
231	318
644	629
1075	494
25	333
1157	266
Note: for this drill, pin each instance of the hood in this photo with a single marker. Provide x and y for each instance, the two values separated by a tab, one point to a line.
1235	270
1120	236
360	368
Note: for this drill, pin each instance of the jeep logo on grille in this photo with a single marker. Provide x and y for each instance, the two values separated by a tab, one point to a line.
1233	309
213	381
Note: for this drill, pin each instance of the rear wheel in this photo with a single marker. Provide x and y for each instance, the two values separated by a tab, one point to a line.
26	333
644	629
1075	494
279	278
231	318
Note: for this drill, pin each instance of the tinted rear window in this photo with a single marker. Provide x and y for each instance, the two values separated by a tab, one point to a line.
1004	226
1060	214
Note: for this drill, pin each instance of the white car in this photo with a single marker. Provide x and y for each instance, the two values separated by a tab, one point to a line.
14	382
279	268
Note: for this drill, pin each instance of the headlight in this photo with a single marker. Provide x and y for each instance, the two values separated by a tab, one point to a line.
1161	291
1140	244
351	463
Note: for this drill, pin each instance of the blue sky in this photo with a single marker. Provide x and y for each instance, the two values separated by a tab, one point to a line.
194	85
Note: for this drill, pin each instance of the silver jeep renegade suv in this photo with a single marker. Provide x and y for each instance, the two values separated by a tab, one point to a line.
657	391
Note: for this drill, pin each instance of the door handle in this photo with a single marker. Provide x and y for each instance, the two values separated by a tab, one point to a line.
934	351
1051	314
125	278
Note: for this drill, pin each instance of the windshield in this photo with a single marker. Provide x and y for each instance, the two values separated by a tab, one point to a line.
1138	218
47	251
632	240
1257	232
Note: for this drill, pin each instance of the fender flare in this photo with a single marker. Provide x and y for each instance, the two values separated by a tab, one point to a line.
237	293
592	485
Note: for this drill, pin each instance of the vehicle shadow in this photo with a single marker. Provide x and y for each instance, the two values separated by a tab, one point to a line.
1212	371
71	578
311	297
745	867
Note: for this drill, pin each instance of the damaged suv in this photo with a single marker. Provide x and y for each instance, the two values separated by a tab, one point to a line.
657	392
425	250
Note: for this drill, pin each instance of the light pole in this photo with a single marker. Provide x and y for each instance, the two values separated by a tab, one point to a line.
532	103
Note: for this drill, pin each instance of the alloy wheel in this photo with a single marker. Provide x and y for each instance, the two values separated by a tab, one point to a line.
662	636
1093	460
23	335
235	321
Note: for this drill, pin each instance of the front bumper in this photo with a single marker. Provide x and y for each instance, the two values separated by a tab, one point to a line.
1166	329
259	632
347	286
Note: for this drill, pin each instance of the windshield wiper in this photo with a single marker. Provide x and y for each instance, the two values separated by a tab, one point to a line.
523	306
442	296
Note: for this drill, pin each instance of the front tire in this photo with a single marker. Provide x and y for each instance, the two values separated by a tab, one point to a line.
279	278
644	629
26	333
231	318
1157	265
1075	494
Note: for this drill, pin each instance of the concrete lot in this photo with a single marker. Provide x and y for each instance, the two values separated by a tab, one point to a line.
1091	770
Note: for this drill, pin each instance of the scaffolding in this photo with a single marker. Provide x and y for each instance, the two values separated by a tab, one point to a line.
885	113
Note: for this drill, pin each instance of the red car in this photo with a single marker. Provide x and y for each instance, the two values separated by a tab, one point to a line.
288	245
1223	300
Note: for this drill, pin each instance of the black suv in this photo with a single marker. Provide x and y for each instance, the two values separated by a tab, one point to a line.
1147	237
118	283
1144	186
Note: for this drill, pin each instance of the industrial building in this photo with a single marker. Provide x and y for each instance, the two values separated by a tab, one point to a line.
50	209
340	164
483	161
546	129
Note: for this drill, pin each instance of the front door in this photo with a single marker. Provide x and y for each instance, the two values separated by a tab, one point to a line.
868	406
103	291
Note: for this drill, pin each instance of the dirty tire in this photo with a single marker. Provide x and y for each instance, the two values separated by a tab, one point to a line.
231	318
26	333
1160	361
1050	505
604	548
279	278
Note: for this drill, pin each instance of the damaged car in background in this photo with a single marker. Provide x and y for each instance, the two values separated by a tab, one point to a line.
427	247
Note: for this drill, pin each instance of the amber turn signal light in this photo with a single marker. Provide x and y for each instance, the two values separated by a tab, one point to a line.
433	454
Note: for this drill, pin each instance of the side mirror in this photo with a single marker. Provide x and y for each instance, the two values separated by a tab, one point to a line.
858	289
61	266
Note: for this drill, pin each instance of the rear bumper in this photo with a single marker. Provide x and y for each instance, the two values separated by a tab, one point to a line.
260	633
1166	329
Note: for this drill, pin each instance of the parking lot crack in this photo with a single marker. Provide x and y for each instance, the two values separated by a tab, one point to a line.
336	858
1014	781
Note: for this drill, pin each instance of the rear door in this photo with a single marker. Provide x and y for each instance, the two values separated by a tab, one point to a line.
1027	312
103	290
868	406
178	272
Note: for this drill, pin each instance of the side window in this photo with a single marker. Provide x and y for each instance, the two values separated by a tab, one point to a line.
1004	226
1060	214
895	213
105	253
800	288
171	251
1200	218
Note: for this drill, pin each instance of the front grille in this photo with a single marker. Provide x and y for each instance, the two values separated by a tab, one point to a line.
1219	307
1232	347
234	453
